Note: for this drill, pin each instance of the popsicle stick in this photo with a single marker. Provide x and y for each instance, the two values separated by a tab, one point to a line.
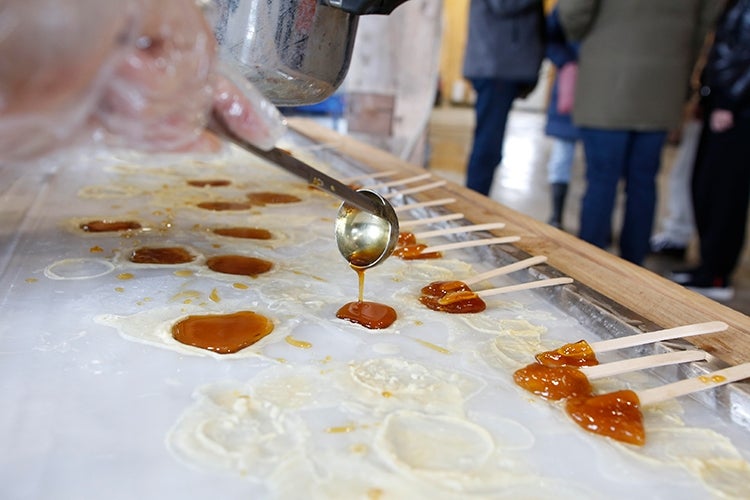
669	333
695	384
429	220
516	266
525	286
642	363
400	182
460	229
424	204
375	175
417	189
471	243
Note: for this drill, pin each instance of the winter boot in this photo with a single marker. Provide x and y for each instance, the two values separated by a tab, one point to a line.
559	192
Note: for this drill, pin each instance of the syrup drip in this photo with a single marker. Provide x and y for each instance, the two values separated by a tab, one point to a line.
105	226
239	265
372	315
161	255
208	182
616	415
222	334
220	206
251	233
452	297
269	198
553	383
576	354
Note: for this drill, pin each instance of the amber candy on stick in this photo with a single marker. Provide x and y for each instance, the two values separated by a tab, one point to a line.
451	296
553	382
575	354
616	415
407	248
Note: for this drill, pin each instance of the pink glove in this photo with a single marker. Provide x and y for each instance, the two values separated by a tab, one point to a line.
566	88
142	76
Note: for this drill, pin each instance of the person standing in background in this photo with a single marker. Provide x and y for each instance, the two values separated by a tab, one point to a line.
634	66
504	52
721	175
560	125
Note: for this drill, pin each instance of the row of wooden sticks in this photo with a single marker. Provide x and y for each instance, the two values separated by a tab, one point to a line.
645	397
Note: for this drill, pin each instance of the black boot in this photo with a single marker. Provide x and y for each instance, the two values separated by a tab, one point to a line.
559	193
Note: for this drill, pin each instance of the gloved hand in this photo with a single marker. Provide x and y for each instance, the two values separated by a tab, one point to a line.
133	73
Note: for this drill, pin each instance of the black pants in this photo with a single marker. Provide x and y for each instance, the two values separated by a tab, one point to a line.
721	190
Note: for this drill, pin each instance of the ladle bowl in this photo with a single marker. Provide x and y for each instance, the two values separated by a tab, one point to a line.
365	239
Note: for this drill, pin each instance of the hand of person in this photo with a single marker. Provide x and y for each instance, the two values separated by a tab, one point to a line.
721	120
133	73
566	87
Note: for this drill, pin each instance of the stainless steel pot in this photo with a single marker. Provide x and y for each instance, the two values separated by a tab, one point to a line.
294	51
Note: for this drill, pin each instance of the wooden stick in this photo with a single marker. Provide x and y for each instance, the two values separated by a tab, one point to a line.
642	363
669	333
470	244
460	229
374	175
400	182
429	220
525	286
516	266
418	189
690	385
424	204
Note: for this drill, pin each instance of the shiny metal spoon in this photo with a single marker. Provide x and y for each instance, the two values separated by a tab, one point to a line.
366	224
365	239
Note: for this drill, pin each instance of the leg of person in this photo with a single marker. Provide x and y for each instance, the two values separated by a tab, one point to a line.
721	187
493	102
643	161
678	228
559	167
605	153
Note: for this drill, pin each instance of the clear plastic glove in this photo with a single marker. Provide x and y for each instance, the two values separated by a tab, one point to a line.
136	73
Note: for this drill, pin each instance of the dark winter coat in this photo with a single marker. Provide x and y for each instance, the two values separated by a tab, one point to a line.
726	75
505	40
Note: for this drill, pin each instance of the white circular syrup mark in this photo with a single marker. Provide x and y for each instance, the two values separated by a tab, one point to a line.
78	269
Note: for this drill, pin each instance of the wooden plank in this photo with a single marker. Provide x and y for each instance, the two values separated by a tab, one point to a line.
649	295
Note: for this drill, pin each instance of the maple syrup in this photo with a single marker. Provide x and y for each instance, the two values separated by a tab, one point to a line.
372	315
270	198
105	226
222	333
161	255
250	233
221	206
239	265
208	182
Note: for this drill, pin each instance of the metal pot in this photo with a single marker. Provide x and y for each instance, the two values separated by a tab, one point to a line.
294	51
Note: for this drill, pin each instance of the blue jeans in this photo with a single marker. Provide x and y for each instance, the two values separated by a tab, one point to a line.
560	163
494	100
612	155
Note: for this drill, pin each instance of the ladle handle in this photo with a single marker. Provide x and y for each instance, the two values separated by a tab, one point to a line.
301	169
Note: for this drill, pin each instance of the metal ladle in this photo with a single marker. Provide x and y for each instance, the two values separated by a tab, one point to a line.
365	239
366	224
